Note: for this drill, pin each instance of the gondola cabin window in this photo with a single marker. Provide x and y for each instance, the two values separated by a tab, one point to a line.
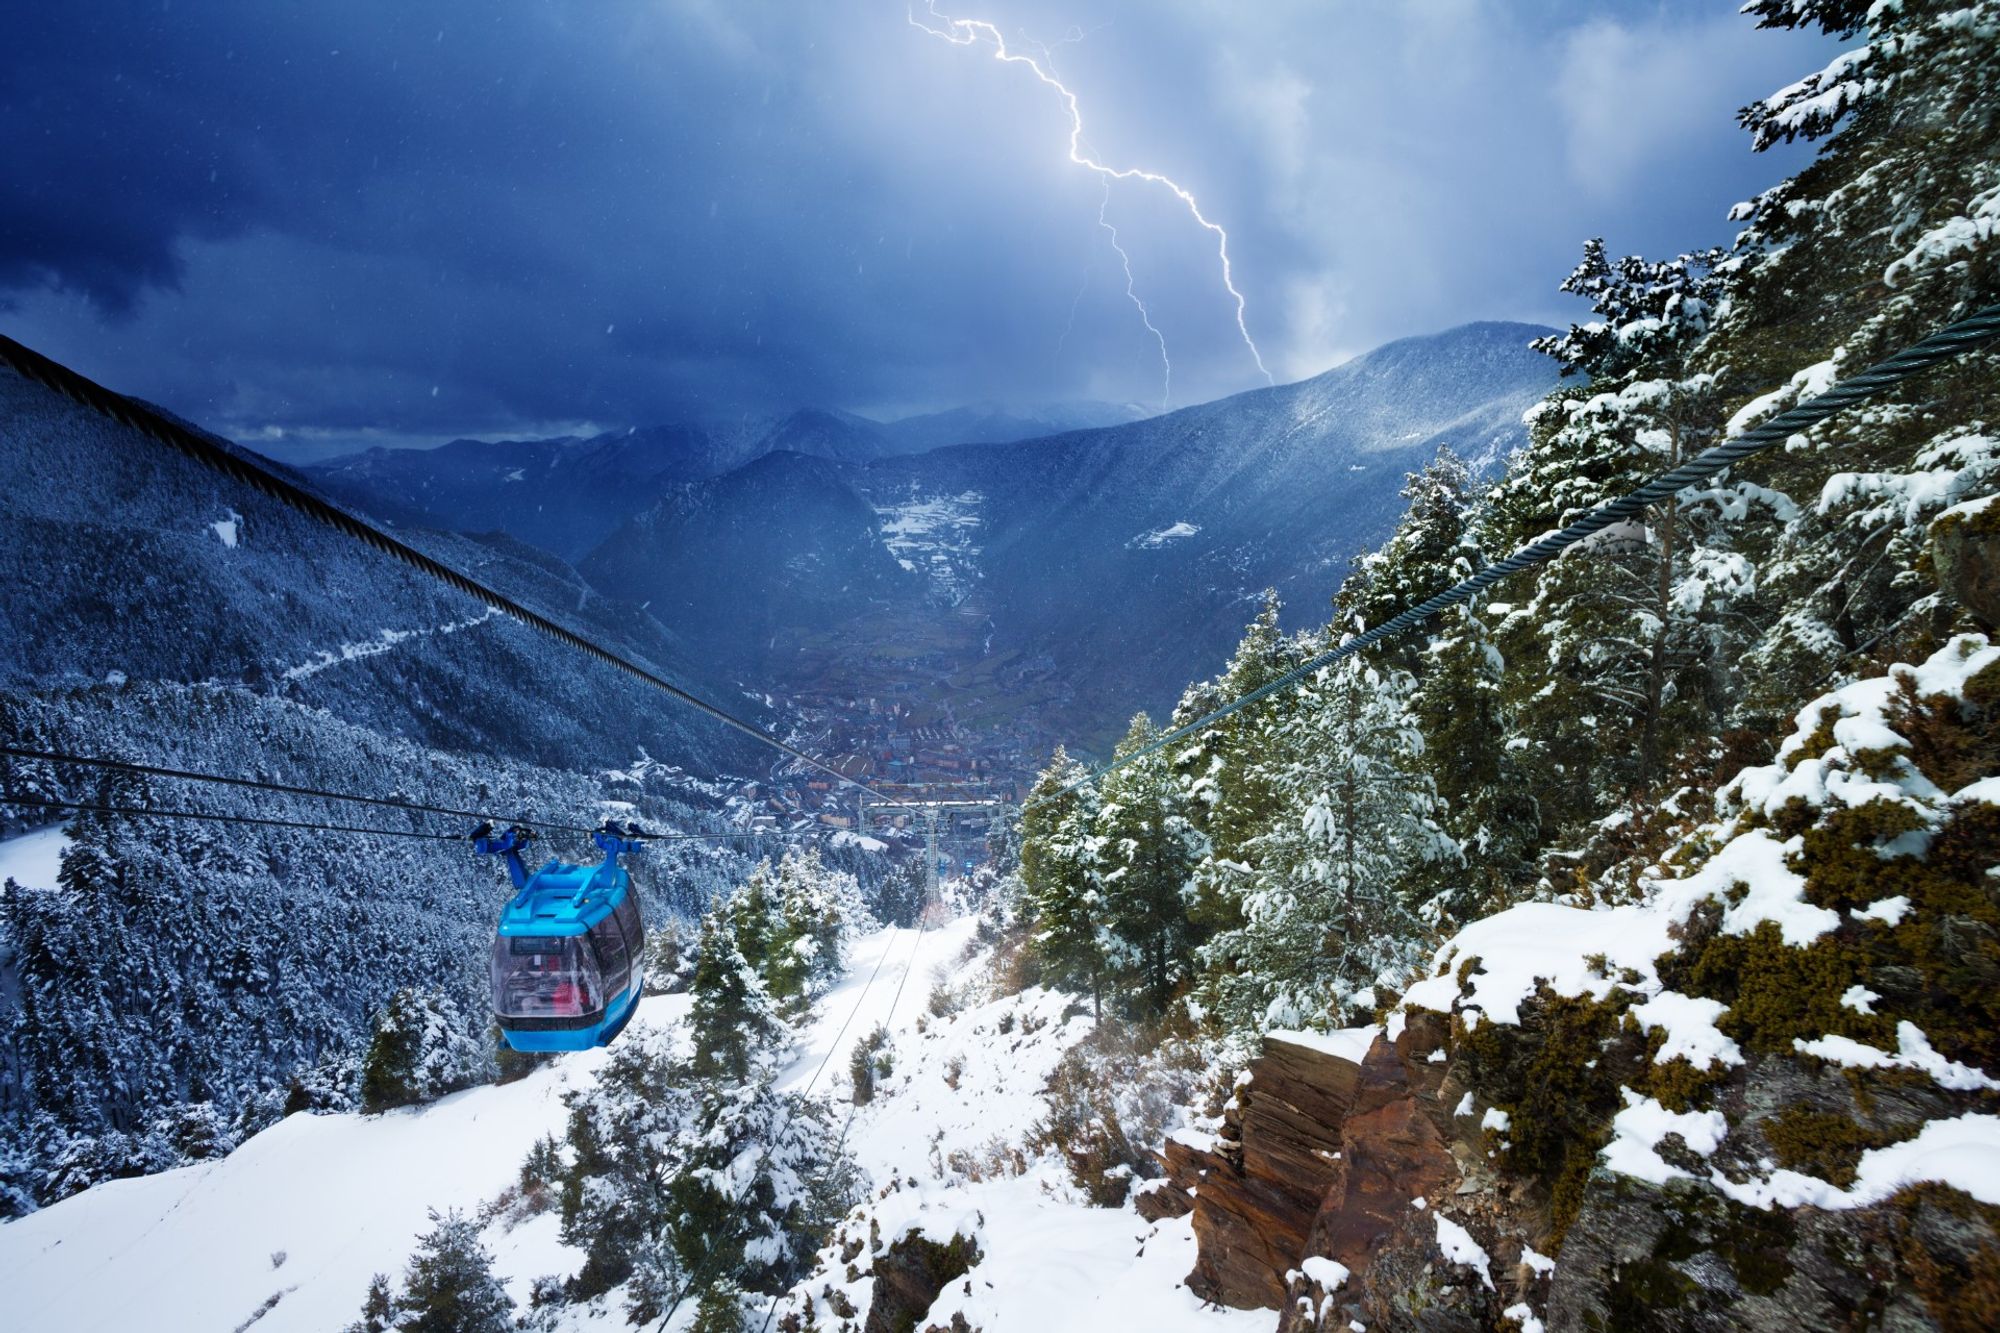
545	977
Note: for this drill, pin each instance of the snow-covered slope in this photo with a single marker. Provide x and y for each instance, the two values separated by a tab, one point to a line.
296	1221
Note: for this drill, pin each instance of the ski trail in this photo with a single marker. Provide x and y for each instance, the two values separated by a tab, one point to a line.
381	643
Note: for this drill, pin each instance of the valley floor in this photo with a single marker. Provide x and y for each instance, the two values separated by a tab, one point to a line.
285	1233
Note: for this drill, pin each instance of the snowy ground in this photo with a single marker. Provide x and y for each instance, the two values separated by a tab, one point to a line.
32	860
310	1209
936	535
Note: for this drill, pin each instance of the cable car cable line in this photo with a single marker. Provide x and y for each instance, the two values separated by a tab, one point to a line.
268	821
386	802
391	802
152	812
923	924
243	467
1953	340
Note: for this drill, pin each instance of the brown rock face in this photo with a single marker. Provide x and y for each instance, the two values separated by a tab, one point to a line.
1257	1189
1319	1157
1391	1153
1158	1200
909	1277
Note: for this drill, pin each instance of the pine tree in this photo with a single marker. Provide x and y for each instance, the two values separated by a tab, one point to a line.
450	1287
720	1309
1890	232
628	1136
420	1051
1429	551
1060	899
378	1308
1225	794
1485	802
804	948
1636	629
1148	850
751	912
1328	902
732	1019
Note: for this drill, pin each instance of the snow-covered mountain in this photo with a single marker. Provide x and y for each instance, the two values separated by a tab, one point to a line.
127	562
158	612
1129	555
993	423
781	544
566	494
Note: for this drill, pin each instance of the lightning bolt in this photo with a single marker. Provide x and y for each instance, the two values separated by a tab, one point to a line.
972	32
1069	324
1167	387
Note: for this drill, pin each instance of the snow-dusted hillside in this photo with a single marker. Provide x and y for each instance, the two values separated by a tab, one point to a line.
289	1228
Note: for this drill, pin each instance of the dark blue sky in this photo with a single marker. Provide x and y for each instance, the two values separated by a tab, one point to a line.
399	221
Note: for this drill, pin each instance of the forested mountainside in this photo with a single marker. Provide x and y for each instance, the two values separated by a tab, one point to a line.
1175	523
178	984
780	546
1705	810
127	561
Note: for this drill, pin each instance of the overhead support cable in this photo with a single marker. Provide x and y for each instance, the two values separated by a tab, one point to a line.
254	784
1953	340
50	803
243	467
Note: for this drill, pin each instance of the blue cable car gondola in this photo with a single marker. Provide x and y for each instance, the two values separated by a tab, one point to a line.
569	955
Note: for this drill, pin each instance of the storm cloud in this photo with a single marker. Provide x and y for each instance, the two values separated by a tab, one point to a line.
392	221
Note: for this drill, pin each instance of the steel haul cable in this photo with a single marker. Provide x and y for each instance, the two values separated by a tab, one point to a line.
154	812
386	802
153	770
1951	341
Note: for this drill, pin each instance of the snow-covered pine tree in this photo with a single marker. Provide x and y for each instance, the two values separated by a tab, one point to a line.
420	1051
732	1019
720	1309
1061	902
1637	628
1225	793
450	1286
1485	802
628	1137
810	920
1326	887
1147	851
1430	550
752	912
1891	231
378	1308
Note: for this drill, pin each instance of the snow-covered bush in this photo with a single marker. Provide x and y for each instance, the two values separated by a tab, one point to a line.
1110	1102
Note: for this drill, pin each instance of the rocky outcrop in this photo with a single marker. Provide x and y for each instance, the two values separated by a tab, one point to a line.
1965	557
1256	1187
1321	1158
909	1277
1322	1197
